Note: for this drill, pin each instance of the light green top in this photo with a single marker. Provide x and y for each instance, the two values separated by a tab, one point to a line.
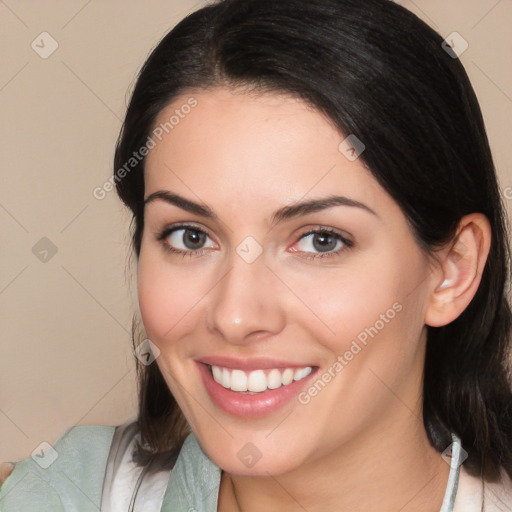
74	480
72	483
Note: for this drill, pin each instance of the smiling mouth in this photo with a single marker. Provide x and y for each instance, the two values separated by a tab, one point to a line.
257	381
253	388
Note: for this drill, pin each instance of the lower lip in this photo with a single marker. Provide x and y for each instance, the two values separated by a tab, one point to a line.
246	405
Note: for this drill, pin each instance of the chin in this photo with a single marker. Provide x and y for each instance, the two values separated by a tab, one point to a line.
249	461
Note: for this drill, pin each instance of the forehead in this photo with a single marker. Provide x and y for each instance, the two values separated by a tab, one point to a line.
224	145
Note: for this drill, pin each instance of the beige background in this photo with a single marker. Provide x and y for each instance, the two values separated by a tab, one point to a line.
65	354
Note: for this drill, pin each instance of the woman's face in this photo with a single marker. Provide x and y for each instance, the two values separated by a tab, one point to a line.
249	266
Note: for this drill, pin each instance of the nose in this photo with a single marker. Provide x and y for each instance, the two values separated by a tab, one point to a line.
245	305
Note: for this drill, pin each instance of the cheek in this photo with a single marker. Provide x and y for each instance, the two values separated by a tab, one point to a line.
347	300
166	297
371	308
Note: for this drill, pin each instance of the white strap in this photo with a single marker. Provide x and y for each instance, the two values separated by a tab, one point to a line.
453	477
128	486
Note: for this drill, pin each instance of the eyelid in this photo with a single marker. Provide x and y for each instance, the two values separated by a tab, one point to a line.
346	240
318	228
166	231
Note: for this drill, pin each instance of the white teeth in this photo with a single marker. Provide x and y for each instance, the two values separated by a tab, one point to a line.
287	376
257	381
238	380
226	378
274	380
301	373
217	374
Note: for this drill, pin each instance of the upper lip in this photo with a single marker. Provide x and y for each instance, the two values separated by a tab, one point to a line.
254	363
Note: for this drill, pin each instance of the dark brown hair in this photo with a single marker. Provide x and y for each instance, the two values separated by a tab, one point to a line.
380	73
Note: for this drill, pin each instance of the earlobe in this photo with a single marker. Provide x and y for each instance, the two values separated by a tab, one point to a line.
460	270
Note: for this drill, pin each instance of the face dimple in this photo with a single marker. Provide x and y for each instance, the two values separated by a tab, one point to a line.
256	290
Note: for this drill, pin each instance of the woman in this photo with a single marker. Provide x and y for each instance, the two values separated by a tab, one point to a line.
322	264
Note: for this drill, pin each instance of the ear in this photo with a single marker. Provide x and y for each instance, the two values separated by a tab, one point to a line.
459	273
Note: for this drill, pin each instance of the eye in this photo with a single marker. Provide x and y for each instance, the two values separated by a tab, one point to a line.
321	243
185	240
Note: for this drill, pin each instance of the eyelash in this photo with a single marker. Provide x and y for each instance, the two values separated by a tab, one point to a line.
347	244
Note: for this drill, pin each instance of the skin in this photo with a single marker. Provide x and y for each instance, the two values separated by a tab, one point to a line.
360	443
5	470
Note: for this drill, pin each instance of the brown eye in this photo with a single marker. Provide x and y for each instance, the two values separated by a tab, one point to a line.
321	243
324	242
193	239
185	239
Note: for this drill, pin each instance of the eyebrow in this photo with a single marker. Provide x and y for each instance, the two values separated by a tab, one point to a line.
181	202
285	213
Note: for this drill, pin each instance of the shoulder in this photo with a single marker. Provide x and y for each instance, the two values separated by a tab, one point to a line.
470	491
70	471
